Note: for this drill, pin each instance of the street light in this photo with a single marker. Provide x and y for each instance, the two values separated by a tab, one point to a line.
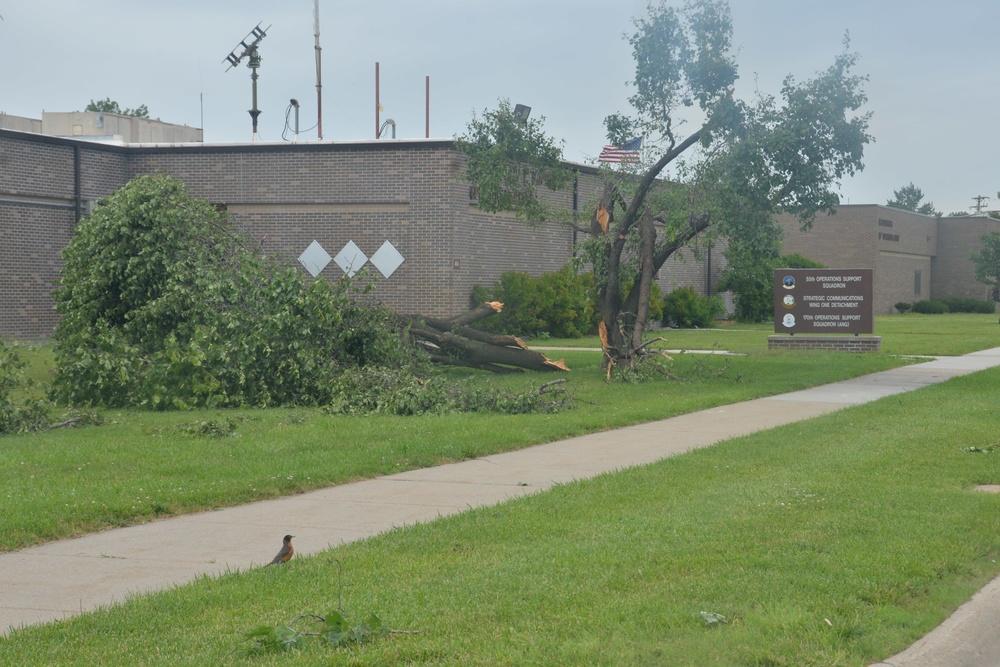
521	113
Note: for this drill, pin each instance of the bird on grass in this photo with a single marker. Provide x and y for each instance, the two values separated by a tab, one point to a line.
286	553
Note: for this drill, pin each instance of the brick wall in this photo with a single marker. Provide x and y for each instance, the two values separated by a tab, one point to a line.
39	197
954	272
409	193
31	237
832	343
285	196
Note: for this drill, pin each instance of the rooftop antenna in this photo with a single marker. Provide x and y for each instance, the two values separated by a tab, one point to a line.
249	46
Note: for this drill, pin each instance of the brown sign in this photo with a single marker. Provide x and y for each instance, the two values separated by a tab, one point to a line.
823	301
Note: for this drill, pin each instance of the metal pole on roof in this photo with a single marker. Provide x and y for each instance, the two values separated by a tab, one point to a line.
319	69
427	115
254	64
378	106
249	51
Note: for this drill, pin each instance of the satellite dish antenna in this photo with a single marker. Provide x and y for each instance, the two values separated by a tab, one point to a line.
249	51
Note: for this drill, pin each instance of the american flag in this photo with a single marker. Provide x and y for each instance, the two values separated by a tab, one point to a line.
627	152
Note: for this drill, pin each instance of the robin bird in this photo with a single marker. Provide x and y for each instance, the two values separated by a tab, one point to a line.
286	553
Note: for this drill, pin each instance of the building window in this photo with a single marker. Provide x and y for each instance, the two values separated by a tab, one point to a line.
916	283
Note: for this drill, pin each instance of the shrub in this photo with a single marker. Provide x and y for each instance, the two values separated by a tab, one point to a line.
560	304
753	292
479	295
796	261
752	284
687	309
969	305
933	307
657	302
903	306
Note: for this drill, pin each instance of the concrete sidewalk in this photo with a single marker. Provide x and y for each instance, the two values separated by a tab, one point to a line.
60	579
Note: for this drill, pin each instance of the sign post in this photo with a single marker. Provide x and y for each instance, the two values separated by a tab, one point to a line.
830	302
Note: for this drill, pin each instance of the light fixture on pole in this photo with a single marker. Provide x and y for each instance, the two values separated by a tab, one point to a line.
521	113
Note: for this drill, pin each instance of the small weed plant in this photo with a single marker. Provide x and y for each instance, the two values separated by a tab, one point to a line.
333	629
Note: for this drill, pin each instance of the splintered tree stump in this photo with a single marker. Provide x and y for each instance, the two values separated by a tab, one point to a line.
452	341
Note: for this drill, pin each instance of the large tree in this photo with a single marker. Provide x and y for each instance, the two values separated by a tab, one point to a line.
908	198
744	161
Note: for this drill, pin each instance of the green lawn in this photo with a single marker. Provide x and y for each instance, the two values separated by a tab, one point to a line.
836	541
912	333
141	465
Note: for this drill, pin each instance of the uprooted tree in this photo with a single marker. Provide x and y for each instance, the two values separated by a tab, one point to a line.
745	162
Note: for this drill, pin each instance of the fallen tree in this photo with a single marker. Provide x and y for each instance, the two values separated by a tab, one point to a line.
453	341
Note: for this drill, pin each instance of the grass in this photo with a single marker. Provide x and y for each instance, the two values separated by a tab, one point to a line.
836	541
909	334
142	465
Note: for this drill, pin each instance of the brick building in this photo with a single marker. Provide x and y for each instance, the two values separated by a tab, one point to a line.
915	257
411	194
407	192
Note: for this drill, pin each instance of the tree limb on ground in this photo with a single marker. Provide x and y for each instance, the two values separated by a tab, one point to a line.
452	341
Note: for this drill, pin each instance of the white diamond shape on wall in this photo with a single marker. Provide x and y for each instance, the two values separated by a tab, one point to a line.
350	259
314	258
387	259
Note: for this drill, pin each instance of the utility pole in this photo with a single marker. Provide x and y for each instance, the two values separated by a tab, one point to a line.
981	202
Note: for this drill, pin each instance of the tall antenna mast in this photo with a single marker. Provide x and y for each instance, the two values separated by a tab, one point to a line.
249	44
319	68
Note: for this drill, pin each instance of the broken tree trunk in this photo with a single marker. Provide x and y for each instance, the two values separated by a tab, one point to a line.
453	341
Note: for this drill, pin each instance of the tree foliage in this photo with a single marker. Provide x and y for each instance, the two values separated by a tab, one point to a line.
165	305
744	163
986	263
508	159
560	304
750	277
108	105
908	198
19	410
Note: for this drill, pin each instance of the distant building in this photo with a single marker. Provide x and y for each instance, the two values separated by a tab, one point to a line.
102	126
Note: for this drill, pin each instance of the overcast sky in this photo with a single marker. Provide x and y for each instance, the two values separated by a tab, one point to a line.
932	65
